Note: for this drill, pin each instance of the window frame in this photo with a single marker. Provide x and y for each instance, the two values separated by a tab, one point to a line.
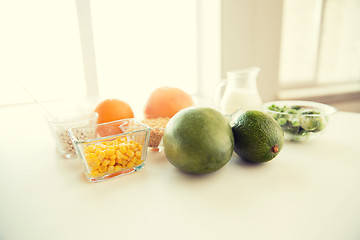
208	25
315	90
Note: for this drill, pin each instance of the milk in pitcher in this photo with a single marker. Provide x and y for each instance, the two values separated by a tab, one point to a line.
240	99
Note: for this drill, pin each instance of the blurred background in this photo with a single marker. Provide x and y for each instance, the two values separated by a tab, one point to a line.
71	49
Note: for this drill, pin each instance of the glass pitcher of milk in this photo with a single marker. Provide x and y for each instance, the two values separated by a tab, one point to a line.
238	92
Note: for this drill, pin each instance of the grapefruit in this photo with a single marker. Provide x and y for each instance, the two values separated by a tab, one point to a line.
198	140
166	102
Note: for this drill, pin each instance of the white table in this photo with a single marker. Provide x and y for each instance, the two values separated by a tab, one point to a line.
310	191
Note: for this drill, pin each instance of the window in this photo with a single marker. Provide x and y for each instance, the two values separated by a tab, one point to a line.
128	48
141	45
39	49
320	43
339	53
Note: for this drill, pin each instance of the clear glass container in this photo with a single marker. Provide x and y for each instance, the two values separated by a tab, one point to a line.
157	126
300	120
238	92
156	136
119	148
59	125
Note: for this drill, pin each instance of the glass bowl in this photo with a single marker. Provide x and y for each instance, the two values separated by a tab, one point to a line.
155	142
59	125
300	120
157	126
119	148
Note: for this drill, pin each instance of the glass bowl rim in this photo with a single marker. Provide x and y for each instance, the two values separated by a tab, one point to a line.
329	110
72	117
75	140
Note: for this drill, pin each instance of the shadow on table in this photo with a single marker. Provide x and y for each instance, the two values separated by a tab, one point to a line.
244	163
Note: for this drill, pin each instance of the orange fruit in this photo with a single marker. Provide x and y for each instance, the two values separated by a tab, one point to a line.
166	102
111	110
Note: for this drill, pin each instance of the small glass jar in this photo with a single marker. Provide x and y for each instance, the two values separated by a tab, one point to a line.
157	126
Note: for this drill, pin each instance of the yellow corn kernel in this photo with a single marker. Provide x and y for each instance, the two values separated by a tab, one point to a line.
90	156
132	146
95	173
118	154
111	169
101	155
123	140
138	162
133	160
130	165
108	152
113	157
130	153
112	162
140	147
117	168
138	154
102	169
97	151
125	157
93	163
123	149
90	149
105	162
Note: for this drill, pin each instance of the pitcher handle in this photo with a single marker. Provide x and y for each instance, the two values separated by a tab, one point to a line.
219	92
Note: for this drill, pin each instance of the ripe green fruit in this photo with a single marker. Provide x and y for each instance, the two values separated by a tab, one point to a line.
198	140
258	137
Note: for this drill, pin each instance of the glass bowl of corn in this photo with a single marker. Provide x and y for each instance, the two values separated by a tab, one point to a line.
119	148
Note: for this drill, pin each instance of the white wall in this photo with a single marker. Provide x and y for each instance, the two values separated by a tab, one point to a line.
251	33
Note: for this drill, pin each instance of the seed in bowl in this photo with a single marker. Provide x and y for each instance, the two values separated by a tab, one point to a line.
157	126
65	142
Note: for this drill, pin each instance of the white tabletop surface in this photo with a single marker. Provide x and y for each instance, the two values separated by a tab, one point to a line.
310	191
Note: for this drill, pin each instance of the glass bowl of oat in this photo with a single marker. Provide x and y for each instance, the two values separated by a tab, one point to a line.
60	123
157	126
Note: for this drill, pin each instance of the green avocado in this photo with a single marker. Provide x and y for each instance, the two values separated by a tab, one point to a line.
258	137
198	140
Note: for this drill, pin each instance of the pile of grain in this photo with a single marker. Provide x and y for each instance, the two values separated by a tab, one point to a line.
157	130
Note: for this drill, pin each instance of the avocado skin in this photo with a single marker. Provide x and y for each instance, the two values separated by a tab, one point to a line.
256	134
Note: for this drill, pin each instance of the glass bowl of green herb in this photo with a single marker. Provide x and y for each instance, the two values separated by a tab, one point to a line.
300	120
